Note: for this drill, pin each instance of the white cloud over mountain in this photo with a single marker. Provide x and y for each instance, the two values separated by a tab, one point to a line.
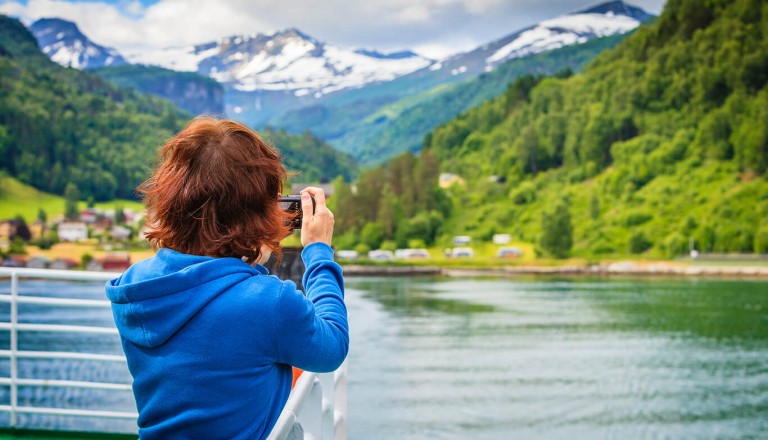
434	28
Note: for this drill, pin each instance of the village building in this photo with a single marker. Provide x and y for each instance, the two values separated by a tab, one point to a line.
14	261
446	180
114	262
10	229
38	229
39	262
64	264
73	231
89	215
7	230
101	226
121	233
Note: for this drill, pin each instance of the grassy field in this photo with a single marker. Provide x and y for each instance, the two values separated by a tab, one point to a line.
76	251
17	198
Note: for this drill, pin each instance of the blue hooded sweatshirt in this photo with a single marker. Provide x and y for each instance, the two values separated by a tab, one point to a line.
210	341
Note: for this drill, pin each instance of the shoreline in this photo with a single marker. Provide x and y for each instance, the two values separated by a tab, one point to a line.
611	269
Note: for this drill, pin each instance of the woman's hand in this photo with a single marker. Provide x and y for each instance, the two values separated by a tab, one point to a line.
317	226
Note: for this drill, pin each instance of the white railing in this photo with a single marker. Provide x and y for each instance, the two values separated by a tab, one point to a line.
316	408
14	354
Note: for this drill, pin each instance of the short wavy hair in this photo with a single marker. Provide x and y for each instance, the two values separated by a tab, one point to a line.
214	192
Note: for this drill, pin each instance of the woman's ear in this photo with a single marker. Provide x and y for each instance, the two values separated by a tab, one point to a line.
264	254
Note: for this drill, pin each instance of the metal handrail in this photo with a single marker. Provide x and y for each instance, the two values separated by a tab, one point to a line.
14	354
316	408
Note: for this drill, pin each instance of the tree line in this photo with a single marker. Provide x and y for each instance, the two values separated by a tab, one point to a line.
660	145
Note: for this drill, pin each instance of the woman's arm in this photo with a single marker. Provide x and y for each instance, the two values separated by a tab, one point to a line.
313	332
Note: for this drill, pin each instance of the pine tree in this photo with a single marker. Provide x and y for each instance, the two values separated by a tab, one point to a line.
557	230
71	199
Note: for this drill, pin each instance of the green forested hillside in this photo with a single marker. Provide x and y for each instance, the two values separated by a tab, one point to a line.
312	158
60	125
661	143
383	121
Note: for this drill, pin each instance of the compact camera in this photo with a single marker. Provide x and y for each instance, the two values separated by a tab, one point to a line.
292	204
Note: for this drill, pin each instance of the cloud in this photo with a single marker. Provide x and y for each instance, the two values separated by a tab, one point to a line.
15	9
434	27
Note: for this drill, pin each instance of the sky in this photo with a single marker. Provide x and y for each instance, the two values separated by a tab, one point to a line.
433	28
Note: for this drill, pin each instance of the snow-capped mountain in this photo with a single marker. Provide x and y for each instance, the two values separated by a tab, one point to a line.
285	61
63	42
612	18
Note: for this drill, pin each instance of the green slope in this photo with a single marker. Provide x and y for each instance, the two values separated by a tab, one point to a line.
660	143
379	122
60	125
17	198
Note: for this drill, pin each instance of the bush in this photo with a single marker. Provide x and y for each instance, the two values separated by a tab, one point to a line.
362	249
557	230
675	244
637	218
372	235
761	240
524	194
85	259
416	243
345	241
388	245
17	247
46	241
734	237
639	243
601	246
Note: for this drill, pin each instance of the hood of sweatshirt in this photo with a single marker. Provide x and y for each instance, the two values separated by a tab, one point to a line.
156	297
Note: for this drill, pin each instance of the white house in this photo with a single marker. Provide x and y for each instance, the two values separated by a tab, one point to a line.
461	240
121	233
501	238
73	231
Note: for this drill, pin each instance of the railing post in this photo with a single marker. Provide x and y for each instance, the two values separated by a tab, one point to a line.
329	394
14	345
340	402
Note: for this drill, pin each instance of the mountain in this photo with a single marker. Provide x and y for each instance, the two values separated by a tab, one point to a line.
604	20
194	93
63	42
285	61
386	129
659	146
60	126
385	119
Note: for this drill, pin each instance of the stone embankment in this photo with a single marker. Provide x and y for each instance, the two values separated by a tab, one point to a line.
618	268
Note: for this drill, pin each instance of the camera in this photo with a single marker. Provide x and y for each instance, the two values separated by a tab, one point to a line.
292	204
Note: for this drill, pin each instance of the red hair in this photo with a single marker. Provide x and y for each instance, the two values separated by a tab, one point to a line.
215	192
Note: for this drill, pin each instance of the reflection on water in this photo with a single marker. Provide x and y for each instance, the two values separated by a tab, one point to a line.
543	358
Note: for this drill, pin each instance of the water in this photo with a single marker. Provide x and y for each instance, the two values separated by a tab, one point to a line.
442	358
557	359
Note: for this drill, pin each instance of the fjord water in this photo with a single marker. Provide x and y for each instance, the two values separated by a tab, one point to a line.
437	358
483	358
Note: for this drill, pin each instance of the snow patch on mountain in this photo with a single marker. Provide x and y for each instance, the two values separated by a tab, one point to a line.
563	31
287	60
63	42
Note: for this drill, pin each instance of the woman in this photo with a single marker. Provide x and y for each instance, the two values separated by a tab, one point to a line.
208	334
